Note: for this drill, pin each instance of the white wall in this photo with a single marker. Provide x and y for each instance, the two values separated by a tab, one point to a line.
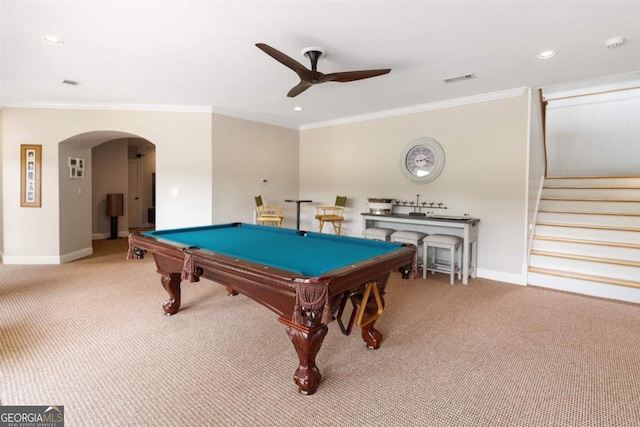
183	141
485	173
595	135
243	153
30	234
109	167
75	204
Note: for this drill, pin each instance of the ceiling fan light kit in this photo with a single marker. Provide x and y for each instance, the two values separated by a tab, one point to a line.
311	77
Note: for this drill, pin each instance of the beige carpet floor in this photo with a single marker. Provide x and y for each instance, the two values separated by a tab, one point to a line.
91	335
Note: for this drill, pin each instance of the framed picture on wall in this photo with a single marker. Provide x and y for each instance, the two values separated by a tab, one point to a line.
30	176
76	167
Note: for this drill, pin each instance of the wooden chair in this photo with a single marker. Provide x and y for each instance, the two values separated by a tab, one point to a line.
333	214
268	214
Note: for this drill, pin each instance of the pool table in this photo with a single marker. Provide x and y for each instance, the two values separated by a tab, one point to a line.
306	278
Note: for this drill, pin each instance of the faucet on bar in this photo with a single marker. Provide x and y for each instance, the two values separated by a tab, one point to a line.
417	208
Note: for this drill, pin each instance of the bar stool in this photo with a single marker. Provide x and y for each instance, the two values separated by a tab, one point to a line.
445	241
378	233
412	237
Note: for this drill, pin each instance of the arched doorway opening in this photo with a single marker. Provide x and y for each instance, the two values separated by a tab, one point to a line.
112	163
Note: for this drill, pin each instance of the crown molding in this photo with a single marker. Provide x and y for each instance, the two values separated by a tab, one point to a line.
253	118
153	108
118	107
492	96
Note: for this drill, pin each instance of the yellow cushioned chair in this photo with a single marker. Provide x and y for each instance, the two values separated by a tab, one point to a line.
268	214
333	214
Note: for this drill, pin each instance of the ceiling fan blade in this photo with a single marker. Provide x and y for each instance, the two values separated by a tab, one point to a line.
301	70
297	90
310	77
349	76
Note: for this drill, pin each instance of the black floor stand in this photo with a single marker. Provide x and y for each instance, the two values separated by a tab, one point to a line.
114	228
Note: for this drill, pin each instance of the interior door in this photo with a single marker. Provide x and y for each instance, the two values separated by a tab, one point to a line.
133	200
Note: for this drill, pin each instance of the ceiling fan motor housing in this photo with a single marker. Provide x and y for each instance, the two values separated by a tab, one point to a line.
314	53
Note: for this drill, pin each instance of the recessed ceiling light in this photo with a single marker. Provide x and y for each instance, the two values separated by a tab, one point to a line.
547	54
615	42
52	40
297	108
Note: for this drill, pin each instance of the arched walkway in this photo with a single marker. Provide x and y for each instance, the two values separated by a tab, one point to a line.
106	158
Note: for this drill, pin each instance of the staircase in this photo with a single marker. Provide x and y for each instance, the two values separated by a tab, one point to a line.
587	237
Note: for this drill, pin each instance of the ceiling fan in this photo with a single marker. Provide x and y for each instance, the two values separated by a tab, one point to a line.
311	77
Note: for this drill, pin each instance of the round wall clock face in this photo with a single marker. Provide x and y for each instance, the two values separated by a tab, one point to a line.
422	160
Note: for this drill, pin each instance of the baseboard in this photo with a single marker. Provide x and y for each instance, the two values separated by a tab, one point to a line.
500	276
48	260
34	260
72	256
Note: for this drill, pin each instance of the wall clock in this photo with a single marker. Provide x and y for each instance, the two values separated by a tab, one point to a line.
422	160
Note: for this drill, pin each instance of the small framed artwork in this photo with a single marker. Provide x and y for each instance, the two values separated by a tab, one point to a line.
30	176
76	167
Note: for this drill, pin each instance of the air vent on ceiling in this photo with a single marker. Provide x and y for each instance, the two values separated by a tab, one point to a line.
70	82
459	78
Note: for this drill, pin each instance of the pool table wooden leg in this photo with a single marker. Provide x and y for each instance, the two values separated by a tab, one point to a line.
371	335
230	291
307	342
171	283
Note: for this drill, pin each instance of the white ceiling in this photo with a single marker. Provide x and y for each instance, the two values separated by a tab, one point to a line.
201	55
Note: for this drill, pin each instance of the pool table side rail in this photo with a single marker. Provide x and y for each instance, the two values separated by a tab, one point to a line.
274	275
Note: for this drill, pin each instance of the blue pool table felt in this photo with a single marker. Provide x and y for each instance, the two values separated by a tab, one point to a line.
308	254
